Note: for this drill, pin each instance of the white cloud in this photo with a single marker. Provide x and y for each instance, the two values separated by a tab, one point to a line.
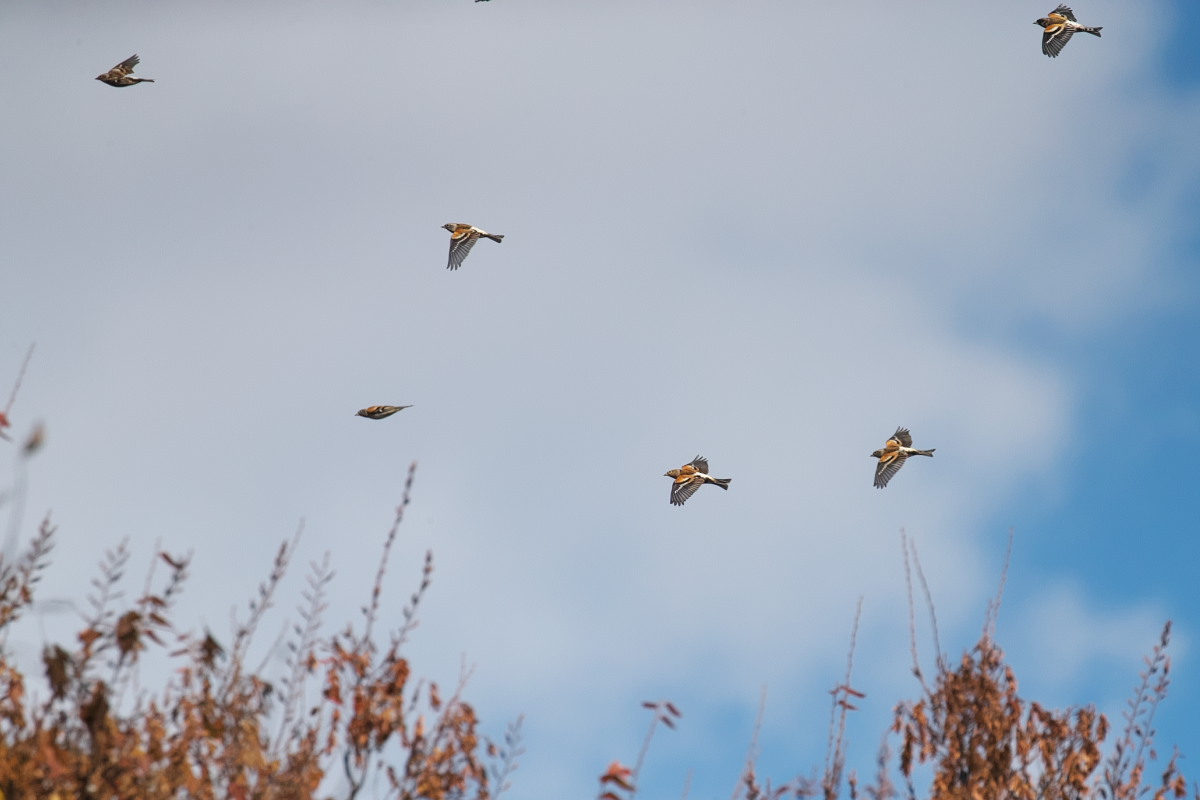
1072	637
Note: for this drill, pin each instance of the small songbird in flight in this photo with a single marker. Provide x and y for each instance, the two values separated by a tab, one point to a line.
1060	25
691	477
462	239
893	454
121	74
379	412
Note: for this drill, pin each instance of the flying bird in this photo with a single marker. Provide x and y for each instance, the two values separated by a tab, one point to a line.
1060	25
691	477
379	412
121	74
892	455
462	239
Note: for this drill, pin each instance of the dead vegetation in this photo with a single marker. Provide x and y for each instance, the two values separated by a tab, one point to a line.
970	735
219	729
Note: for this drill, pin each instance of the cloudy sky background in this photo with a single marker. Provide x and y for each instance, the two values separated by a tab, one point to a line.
765	232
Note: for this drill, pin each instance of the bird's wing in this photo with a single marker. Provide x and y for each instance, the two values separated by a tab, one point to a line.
459	247
700	463
126	66
903	437
1055	39
681	491
1066	11
888	466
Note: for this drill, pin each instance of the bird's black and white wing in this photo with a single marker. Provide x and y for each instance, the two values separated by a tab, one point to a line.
681	491
887	467
1055	38
460	245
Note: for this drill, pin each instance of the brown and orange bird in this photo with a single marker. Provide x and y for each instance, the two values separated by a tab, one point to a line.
379	412
121	74
893	454
691	477
463	238
1058	28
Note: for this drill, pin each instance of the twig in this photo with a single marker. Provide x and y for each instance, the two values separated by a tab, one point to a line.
372	612
508	755
835	753
993	609
301	652
752	751
244	632
664	712
912	610
12	398
937	641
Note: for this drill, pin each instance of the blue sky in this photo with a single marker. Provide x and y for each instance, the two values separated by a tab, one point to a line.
737	230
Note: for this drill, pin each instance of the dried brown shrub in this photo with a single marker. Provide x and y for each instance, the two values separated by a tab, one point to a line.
977	737
208	732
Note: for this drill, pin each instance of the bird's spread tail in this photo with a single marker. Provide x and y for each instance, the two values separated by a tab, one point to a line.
928	452
1093	31
495	237
722	482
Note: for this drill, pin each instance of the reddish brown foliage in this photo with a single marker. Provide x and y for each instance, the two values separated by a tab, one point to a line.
985	741
206	733
980	740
